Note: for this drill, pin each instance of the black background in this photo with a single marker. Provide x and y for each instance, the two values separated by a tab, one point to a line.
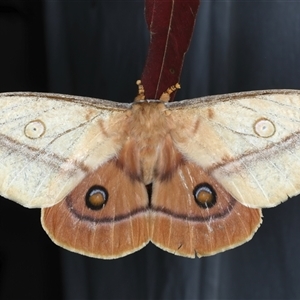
98	48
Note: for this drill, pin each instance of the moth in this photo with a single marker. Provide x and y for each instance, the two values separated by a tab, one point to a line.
189	176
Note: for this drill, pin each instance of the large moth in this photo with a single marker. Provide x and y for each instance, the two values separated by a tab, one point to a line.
210	163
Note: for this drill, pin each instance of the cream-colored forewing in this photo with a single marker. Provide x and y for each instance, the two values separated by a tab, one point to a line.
49	142
249	142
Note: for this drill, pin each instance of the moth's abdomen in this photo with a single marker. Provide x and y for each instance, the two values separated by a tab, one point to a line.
149	150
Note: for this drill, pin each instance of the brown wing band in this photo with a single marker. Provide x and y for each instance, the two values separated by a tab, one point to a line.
117	218
220	215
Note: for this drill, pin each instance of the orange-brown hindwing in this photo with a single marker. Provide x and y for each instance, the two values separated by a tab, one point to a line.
192	215
105	216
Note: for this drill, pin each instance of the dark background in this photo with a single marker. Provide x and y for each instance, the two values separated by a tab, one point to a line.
98	48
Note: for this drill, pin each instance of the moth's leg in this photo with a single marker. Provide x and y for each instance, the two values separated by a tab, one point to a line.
141	91
165	96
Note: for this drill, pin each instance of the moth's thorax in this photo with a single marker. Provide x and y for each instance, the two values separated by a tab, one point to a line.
148	120
148	126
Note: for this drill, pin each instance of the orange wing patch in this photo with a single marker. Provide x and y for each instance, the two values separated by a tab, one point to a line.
98	218
192	215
